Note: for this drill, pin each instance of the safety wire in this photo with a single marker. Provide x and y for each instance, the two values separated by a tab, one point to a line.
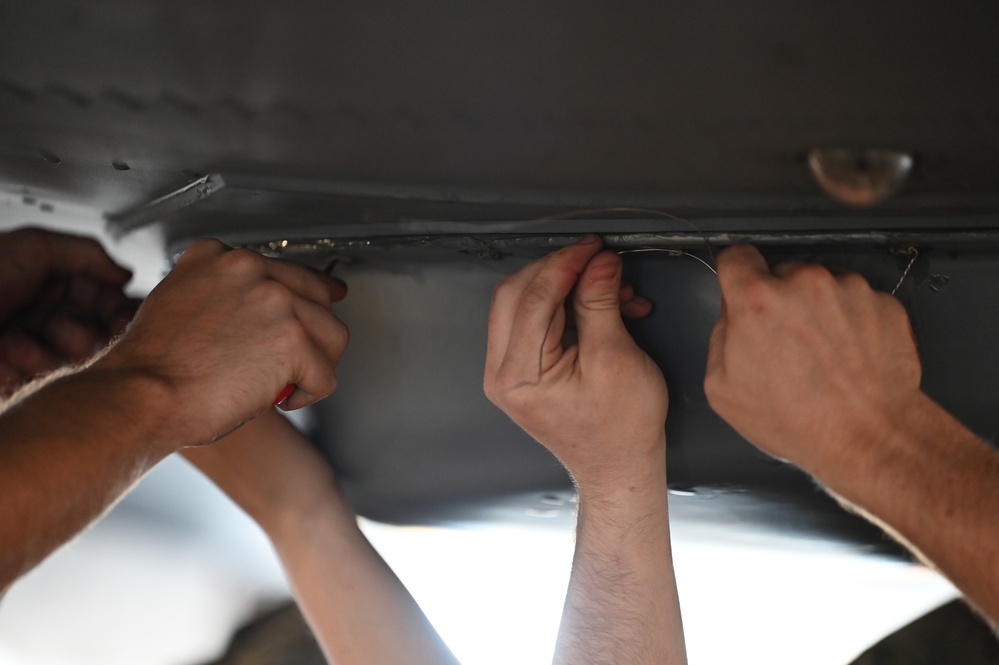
650	211
914	254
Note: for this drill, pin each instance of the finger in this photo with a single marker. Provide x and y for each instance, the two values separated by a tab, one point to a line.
539	321
506	300
633	306
71	338
787	268
716	348
738	267
597	305
505	303
75	255
319	354
636	308
315	285
502	310
338	287
205	248
25	355
305	282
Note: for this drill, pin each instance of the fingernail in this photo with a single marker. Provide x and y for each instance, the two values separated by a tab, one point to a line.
605	273
639	300
589	239
284	395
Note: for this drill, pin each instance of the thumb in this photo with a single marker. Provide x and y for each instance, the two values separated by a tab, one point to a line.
597	302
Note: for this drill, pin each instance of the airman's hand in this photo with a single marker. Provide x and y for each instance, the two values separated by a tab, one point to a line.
806	363
227	330
599	403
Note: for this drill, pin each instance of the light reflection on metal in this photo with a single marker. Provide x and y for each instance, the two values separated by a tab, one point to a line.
860	177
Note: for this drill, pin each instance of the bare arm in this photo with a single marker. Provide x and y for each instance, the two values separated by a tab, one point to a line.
358	609
822	371
600	406
209	349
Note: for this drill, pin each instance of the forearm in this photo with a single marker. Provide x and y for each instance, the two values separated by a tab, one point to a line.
935	486
358	609
69	448
622	603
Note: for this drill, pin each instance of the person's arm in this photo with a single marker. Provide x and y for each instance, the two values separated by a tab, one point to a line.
819	369
599	404
357	608
209	349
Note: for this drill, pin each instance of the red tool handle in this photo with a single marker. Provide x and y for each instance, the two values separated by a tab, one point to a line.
285	394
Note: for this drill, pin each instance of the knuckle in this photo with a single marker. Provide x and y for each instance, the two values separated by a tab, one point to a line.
206	247
813	273
537	295
339	337
599	302
244	261
270	294
291	336
854	282
758	296
733	255
814	280
343	331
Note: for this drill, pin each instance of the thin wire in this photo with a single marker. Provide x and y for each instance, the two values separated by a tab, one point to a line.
671	252
653	211
915	255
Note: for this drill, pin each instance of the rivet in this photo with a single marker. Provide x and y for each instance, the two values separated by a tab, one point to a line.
860	177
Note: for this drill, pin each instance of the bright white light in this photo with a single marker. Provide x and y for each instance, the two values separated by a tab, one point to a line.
495	594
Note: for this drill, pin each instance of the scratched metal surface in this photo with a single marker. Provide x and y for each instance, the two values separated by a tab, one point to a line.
701	106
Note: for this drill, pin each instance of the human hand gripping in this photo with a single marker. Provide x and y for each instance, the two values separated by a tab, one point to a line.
819	369
209	349
808	364
226	331
599	404
62	298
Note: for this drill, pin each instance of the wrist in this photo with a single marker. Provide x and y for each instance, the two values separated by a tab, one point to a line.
626	482
879	442
149	401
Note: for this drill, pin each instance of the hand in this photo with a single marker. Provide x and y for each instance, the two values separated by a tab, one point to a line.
804	363
226	331
62	300
598	404
270	470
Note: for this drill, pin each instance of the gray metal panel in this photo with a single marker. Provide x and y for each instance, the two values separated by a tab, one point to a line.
712	100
